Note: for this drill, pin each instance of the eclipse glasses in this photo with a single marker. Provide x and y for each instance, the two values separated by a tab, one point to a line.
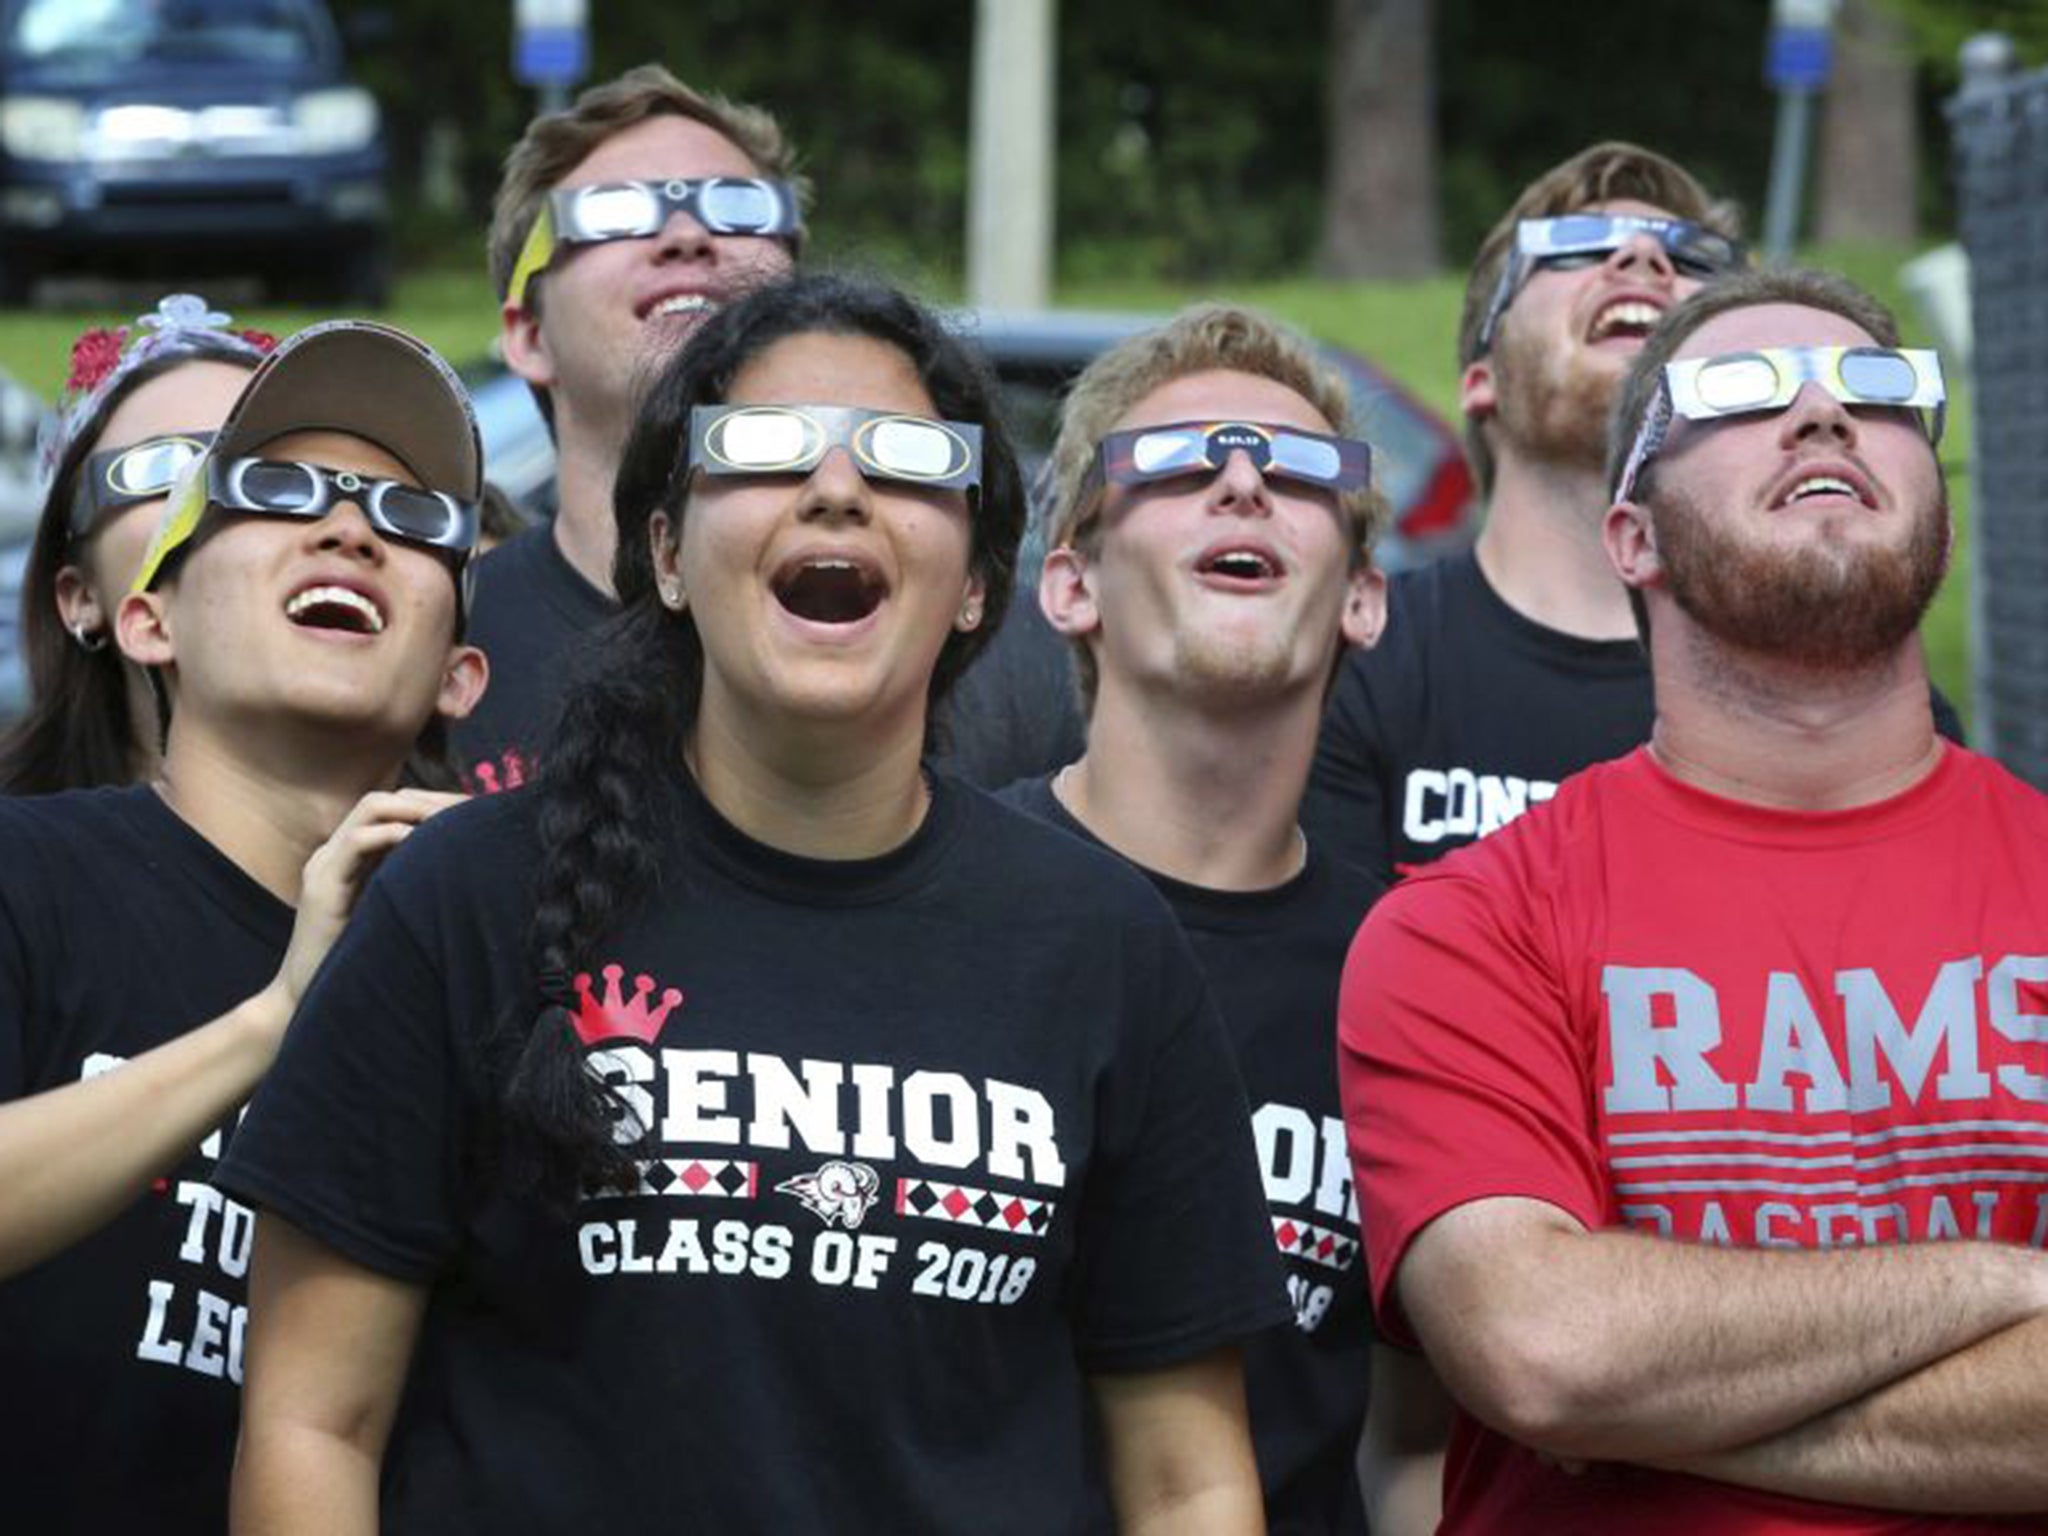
1203	447
1580	239
277	488
124	477
794	439
633	210
1770	378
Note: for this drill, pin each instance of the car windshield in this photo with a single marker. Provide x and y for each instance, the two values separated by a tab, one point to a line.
91	33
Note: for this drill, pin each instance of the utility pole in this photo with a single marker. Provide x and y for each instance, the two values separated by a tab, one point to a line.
1010	156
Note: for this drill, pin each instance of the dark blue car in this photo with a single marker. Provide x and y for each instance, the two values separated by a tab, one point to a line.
210	135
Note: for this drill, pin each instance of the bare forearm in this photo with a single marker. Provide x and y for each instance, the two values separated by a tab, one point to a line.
1221	1511
1967	1434
1405	1496
293	1481
1618	1346
1177	1452
329	1346
1401	1453
72	1158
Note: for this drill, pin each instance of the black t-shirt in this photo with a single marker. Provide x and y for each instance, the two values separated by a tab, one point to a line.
120	1359
938	1133
1014	715
1465	715
1273	958
530	611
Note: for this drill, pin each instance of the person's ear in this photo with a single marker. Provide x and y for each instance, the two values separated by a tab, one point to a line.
1631	540
1478	390
664	553
972	601
525	349
77	609
464	676
142	629
1066	593
1365	607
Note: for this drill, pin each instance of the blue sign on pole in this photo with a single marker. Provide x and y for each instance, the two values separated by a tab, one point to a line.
550	55
1797	58
550	42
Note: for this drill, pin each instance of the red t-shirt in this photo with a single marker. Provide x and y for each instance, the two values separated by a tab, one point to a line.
1649	1005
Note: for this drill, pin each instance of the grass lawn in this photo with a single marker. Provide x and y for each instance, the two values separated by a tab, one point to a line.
1406	327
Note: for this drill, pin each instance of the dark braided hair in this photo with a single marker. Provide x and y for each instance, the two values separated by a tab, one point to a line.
612	774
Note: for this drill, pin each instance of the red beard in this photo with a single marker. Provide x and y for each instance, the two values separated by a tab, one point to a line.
1832	605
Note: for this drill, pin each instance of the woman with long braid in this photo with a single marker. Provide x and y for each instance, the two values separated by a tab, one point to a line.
747	1129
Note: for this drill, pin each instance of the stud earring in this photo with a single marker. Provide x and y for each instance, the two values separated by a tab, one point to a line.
89	642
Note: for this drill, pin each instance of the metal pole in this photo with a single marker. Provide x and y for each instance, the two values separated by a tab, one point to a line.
1788	174
1009	193
1987	61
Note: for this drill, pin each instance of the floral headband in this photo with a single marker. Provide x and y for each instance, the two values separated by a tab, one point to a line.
101	359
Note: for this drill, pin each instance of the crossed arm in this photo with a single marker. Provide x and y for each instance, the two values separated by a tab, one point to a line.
1911	1377
1965	1435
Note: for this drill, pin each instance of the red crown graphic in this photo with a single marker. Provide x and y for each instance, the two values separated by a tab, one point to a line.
620	1017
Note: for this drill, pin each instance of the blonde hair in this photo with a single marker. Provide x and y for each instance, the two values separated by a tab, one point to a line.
1604	173
1200	339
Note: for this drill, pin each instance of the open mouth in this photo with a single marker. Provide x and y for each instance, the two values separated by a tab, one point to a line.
336	608
1812	486
1239	565
829	591
1625	319
696	304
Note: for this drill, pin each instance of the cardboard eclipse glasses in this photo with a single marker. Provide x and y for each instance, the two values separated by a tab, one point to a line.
1203	447
1577	238
794	439
433	520
633	210
124	477
1770	378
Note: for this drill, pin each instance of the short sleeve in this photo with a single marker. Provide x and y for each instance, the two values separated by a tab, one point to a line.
355	1136
1461	1073
1177	1250
1346	807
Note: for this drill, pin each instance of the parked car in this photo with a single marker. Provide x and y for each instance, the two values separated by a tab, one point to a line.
1417	459
221	134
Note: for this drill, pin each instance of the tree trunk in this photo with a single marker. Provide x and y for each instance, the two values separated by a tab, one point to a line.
1380	189
1869	160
